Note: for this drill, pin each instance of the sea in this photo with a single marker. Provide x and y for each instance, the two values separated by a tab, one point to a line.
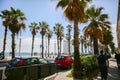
22	54
28	54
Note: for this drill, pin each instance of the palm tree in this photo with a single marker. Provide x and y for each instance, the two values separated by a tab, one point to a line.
58	30
68	36
107	39
34	29
96	26
6	16
43	29
16	25
74	11
118	27
49	35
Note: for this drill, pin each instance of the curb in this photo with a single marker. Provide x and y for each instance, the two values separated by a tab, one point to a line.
51	77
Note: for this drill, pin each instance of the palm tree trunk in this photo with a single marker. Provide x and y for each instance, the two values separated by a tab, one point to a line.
48	46
19	46
13	45
118	27
42	46
69	47
32	45
77	60
5	35
95	46
58	46
82	47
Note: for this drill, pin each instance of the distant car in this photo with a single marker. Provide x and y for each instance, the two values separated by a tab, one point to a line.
64	61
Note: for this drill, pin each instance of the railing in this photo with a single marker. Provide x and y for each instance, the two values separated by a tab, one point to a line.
31	72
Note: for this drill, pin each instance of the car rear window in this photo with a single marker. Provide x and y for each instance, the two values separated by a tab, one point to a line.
61	57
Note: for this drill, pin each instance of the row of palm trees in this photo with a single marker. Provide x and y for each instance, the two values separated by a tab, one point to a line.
14	21
44	30
97	28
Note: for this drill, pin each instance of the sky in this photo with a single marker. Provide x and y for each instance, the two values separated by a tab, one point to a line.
45	10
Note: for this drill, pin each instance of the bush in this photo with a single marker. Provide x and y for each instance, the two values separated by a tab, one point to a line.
89	66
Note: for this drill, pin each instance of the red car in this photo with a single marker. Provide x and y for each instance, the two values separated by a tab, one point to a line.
64	61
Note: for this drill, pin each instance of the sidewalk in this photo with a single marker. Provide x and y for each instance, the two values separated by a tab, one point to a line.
114	73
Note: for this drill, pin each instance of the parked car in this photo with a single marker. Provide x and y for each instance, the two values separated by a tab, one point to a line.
23	61
64	61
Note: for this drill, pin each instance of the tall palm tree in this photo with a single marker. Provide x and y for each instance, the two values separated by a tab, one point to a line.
58	29
16	25
43	29
6	16
68	36
34	29
118	27
74	11
97	23
49	35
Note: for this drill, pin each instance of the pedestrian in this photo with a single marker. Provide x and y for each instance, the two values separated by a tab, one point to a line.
117	57
103	64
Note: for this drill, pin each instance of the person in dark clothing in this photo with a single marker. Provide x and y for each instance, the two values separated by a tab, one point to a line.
117	57
103	63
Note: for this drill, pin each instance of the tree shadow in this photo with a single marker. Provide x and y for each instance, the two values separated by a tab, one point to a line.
113	73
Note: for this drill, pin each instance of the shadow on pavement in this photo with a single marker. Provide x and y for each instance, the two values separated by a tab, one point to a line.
114	73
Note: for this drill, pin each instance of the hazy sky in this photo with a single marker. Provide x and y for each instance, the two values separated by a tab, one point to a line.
45	10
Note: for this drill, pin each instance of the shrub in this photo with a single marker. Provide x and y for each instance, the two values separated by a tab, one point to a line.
89	66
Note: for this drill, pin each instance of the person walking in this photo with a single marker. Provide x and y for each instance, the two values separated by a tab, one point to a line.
103	64
117	57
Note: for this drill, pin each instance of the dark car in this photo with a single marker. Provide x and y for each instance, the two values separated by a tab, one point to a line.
16	62
24	61
64	61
